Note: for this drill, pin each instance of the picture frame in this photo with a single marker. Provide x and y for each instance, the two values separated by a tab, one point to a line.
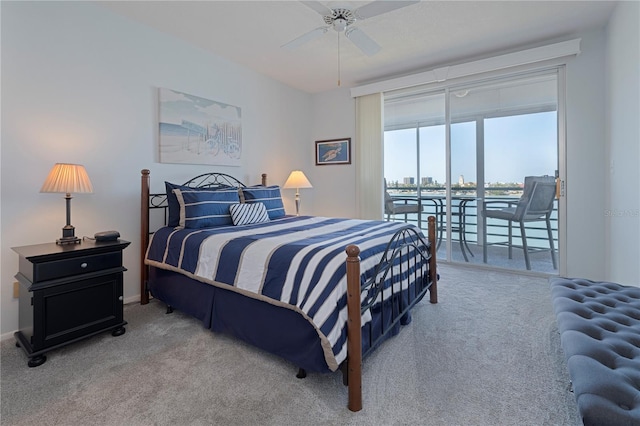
195	130
333	151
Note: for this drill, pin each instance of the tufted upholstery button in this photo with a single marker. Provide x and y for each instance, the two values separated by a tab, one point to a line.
599	324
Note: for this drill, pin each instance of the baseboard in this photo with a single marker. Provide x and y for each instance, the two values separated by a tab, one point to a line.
132	299
6	336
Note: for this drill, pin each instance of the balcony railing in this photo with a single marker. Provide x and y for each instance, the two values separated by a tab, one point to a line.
433	201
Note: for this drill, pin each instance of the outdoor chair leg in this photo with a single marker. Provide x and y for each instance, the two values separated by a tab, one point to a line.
467	245
524	246
484	238
440	229
462	243
463	235
510	241
551	245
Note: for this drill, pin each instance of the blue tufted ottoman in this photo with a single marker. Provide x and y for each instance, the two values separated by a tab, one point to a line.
599	324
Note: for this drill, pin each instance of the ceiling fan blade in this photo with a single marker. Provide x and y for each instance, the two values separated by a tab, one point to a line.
379	7
318	7
304	38
362	41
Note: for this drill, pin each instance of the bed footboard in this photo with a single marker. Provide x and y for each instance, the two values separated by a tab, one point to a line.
397	254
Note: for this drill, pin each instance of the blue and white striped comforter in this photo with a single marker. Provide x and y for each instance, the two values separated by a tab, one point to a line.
295	262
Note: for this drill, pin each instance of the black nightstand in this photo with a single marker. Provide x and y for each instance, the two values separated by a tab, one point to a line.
68	293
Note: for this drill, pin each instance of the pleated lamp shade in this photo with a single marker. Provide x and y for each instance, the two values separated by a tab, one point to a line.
67	179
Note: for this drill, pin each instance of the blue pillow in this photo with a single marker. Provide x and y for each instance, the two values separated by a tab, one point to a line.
267	195
172	202
247	214
202	208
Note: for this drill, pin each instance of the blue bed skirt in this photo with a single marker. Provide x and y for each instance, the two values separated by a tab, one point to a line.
275	329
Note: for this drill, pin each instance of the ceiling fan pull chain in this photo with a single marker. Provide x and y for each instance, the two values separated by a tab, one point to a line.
338	59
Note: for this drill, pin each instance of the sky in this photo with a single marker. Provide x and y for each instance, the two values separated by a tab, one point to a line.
515	147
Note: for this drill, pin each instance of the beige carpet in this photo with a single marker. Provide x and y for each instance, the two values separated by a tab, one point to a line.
487	354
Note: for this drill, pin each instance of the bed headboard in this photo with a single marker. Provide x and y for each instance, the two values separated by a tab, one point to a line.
158	202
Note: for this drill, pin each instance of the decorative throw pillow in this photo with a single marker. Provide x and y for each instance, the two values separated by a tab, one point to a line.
246	214
267	195
201	208
173	219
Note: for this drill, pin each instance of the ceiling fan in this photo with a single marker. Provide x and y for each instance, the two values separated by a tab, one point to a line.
342	19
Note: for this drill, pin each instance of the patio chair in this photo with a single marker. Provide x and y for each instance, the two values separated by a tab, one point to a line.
536	204
393	208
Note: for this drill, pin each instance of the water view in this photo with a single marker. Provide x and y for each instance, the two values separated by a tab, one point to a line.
424	182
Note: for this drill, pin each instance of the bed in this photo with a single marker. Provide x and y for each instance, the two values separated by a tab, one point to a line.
322	293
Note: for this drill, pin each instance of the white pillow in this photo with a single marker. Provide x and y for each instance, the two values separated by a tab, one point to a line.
246	214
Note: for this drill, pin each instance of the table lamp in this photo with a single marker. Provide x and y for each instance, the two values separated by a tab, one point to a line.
297	180
67	178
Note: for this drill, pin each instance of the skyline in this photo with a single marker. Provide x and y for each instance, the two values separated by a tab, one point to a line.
528	141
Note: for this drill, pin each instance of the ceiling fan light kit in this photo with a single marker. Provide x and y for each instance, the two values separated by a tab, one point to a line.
342	19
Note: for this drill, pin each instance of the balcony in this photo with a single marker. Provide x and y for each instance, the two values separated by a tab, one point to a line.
465	212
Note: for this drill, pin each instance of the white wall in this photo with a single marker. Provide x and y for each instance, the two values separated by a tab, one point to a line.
79	84
334	185
622	212
585	150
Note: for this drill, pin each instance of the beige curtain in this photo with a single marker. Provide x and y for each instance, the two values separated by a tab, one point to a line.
369	156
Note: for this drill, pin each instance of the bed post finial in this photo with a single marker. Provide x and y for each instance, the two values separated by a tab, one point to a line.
354	332
264	179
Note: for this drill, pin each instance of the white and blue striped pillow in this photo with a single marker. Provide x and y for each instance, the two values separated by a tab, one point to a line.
246	214
267	195
173	218
203	209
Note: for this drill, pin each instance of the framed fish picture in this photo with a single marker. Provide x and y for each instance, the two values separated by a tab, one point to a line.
333	151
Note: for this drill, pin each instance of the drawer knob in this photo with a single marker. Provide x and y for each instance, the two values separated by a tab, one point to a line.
84	265
120	298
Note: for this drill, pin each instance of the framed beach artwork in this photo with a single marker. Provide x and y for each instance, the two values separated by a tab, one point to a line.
196	130
333	151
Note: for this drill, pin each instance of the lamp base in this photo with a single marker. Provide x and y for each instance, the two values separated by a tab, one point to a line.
68	234
68	240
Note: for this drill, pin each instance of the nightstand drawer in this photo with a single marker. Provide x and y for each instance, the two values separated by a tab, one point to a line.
80	265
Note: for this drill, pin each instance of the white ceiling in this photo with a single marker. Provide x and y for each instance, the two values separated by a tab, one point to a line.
415	38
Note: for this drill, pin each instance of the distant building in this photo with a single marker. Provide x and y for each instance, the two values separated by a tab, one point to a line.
427	181
461	180
409	181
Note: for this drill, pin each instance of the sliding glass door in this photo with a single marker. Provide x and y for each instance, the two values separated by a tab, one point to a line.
415	155
467	149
